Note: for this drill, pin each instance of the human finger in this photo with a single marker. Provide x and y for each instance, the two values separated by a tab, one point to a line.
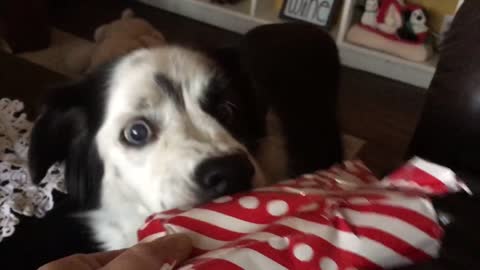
153	255
82	261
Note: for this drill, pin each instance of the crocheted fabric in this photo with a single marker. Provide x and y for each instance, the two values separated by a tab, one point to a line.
18	195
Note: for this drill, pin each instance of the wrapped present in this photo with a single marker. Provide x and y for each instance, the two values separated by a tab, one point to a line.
341	218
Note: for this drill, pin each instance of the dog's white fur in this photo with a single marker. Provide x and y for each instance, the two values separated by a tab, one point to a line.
140	181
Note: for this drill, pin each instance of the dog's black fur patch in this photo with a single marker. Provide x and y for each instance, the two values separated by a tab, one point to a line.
171	89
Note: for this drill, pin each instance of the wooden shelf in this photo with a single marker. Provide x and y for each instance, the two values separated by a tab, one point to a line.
418	74
236	18
246	15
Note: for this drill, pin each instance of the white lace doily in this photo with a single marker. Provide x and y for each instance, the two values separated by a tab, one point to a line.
18	195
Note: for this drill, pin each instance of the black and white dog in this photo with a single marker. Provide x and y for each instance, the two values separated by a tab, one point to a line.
158	129
171	127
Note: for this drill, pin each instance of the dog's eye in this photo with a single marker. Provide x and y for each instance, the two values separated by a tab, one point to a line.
137	133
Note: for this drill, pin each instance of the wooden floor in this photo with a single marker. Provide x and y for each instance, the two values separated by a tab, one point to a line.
381	111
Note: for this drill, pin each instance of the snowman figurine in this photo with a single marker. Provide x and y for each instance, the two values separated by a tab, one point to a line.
369	17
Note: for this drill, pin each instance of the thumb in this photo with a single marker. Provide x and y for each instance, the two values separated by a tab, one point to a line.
153	255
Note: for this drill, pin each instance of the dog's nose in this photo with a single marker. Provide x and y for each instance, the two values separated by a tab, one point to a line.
225	175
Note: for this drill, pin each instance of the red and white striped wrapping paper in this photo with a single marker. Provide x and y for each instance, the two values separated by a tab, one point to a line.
341	218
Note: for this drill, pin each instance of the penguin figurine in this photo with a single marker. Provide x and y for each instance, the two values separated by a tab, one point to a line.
414	29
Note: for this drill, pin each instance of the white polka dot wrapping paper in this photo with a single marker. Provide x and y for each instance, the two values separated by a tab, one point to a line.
341	218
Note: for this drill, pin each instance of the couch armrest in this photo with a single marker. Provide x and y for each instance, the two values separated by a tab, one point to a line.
449	128
285	61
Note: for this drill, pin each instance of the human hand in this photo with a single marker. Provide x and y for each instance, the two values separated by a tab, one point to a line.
152	255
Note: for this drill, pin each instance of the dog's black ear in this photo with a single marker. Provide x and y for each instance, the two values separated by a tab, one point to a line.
65	132
69	115
61	121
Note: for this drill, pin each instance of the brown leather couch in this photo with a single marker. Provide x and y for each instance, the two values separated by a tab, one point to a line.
449	128
24	24
448	133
